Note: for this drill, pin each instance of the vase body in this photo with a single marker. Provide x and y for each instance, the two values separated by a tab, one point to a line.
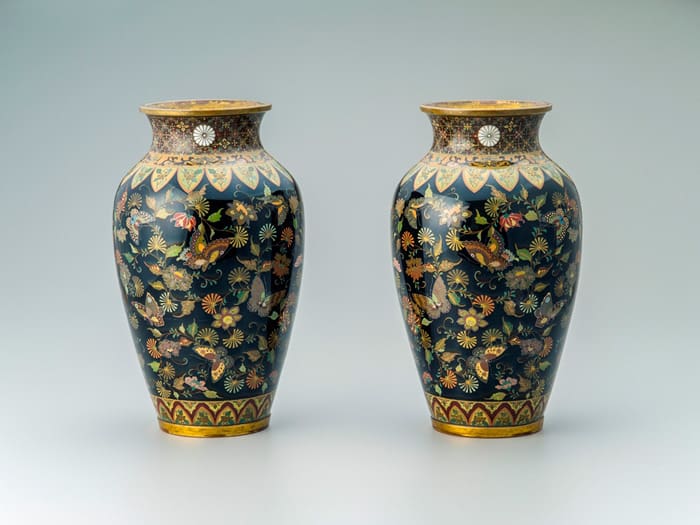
487	245
208	238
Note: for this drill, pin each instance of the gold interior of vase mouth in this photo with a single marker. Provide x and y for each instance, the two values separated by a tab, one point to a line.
203	108
486	108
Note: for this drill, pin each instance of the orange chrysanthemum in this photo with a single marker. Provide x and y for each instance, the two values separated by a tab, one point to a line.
287	236
449	379
253	380
415	268
151	346
210	302
485	303
547	345
407	240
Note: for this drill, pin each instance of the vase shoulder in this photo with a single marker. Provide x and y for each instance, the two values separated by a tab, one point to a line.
251	171
472	174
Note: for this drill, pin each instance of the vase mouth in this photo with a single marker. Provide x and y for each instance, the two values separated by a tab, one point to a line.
486	108
204	107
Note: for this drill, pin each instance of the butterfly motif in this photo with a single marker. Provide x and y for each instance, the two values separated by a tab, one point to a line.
202	253
524	384
135	220
482	357
280	205
150	311
217	357
558	219
492	255
547	311
435	304
260	301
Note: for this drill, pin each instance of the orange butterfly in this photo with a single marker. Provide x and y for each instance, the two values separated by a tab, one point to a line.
481	359
492	255
218	359
437	303
202	253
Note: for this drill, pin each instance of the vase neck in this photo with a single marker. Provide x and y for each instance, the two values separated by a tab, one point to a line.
486	135
206	134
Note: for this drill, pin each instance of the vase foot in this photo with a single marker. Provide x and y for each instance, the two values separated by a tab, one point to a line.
214	431
488	432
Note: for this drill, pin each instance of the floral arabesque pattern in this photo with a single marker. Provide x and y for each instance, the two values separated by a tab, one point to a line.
486	281
211	282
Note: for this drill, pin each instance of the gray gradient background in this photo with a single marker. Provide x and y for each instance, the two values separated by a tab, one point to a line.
350	440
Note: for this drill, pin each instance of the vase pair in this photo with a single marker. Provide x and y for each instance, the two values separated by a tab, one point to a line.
209	233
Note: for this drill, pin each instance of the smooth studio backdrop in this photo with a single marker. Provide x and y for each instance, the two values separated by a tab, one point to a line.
350	439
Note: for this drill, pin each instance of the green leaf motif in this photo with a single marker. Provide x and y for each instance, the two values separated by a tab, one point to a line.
544	365
173	251
438	390
531	215
242	296
480	219
454	298
524	255
428	356
507	327
192	328
498	396
129	258
215	217
540	200
211	394
155	365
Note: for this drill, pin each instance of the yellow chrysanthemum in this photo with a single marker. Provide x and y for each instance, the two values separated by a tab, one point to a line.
235	339
240	237
465	340
539	245
453	241
157	244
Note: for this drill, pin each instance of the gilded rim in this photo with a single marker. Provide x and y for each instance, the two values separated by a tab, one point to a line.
204	107
222	431
488	432
486	108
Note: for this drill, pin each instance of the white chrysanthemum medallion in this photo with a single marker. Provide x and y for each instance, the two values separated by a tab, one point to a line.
203	135
489	135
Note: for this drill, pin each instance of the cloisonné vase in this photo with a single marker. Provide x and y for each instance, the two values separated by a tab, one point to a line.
486	243
208	238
